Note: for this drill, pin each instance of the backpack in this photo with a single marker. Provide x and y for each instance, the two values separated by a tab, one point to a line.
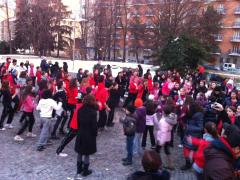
130	126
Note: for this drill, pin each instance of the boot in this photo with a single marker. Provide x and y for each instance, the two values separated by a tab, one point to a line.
79	167
86	171
187	166
169	163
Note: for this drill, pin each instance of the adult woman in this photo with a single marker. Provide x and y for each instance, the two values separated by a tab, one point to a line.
194	127
86	136
232	100
72	93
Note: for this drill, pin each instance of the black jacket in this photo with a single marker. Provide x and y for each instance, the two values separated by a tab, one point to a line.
61	96
113	98
87	130
7	98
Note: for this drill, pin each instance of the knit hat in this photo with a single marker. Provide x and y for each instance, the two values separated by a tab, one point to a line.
151	97
138	103
232	133
130	108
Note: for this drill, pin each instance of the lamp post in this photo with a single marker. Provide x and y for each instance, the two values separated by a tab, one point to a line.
74	21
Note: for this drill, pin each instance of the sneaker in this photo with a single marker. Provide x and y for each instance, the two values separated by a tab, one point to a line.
180	146
62	154
8	126
78	177
18	138
127	163
29	134
153	147
2	129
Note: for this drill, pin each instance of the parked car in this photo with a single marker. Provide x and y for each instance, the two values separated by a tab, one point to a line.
210	67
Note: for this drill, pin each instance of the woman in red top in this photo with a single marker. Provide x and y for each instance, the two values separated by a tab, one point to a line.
133	91
102	97
39	75
72	94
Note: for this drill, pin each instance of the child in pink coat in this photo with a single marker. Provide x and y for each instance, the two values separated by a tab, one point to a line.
28	107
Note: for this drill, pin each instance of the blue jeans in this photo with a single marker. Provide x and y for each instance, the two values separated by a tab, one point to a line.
46	124
129	141
137	148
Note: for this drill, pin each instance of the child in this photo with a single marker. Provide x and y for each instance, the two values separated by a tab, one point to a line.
210	134
7	106
62	113
129	127
163	129
46	106
140	115
28	107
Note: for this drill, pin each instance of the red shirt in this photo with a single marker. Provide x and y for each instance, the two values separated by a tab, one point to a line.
74	122
71	95
101	95
39	76
133	88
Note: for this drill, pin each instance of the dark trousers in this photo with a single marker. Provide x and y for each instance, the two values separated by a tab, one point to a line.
7	111
150	130
166	147
27	123
16	103
199	176
62	118
102	118
70	108
68	138
33	81
130	99
129	143
111	116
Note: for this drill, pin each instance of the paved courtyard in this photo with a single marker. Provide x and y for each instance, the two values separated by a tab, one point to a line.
20	161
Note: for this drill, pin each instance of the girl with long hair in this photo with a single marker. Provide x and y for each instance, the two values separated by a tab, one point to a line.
28	107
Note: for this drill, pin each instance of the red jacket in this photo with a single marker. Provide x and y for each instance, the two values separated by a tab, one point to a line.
133	88
101	95
74	122
150	85
198	155
71	95
140	91
39	76
165	89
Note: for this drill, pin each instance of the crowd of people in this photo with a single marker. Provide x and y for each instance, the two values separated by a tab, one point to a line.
203	112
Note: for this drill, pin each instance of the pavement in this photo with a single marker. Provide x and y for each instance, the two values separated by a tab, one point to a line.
21	161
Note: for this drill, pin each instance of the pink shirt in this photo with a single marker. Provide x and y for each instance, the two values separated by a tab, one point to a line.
29	104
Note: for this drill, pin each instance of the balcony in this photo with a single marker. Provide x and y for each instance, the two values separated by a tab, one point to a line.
218	38
234	52
235	39
237	11
236	25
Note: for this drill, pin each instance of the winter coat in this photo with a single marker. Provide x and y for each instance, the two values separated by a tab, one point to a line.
7	98
194	128
139	175
71	95
140	114
163	128
198	157
219	161
29	104
114	98
129	125
133	88
87	130
101	95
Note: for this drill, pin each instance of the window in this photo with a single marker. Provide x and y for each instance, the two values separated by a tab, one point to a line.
221	9
149	23
236	35
149	12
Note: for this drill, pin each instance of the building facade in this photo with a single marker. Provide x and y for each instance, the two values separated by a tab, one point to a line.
229	37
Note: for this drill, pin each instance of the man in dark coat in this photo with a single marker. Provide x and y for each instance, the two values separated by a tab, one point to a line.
87	132
220	157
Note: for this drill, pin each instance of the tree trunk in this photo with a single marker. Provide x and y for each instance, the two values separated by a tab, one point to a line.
8	27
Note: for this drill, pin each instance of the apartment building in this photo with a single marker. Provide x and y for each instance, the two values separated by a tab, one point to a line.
229	37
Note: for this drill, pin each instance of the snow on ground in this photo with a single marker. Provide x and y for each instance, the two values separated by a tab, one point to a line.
73	66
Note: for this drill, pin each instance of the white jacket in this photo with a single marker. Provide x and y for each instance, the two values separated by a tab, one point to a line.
46	107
